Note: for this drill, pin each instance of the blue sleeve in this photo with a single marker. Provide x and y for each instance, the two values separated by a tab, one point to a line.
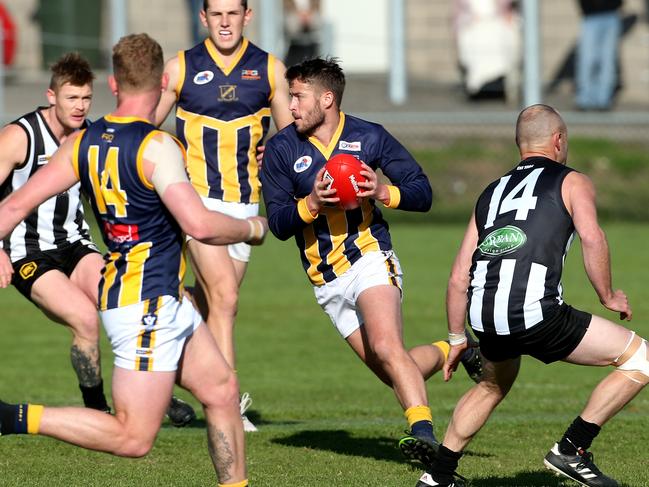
398	165
277	188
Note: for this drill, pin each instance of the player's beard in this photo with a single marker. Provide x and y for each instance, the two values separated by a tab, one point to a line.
311	121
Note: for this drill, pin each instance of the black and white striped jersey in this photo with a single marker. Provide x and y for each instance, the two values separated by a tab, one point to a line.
524	233
57	222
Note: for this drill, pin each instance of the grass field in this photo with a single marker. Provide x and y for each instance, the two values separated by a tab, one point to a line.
324	420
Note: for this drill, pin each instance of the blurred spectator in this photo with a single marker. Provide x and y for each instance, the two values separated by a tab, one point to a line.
302	25
597	53
487	36
197	33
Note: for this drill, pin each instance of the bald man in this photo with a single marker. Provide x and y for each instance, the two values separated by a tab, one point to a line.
506	280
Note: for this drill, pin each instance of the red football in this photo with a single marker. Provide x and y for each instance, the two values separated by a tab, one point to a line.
343	172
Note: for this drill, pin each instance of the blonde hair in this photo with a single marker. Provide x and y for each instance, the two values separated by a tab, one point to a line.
138	63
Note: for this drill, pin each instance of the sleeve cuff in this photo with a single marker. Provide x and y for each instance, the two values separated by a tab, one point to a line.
304	211
395	197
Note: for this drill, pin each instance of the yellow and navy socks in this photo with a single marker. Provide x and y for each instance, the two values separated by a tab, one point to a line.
20	419
444	347
243	483
420	420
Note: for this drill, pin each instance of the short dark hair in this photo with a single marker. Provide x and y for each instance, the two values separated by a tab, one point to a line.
323	72
71	68
206	3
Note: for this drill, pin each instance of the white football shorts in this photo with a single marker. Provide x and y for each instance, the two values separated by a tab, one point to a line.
150	335
239	251
338	297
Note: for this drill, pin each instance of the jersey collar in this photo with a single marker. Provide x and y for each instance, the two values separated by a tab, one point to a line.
216	57
118	119
326	151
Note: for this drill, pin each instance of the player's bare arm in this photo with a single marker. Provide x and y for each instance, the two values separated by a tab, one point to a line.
6	269
164	167
456	298
13	141
168	98
578	193
57	176
279	104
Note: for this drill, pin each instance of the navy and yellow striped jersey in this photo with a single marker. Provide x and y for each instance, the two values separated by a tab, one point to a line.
332	242
222	115
145	256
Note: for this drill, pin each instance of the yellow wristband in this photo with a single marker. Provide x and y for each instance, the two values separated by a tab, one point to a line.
304	212
395	197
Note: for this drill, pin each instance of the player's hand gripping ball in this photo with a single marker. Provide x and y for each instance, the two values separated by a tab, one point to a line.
343	172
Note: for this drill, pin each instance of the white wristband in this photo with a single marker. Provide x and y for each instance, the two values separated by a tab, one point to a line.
456	339
256	230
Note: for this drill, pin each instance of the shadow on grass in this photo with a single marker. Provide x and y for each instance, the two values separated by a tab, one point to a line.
521	479
255	417
525	479
340	441
258	420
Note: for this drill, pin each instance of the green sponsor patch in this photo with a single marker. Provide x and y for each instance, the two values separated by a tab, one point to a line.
503	241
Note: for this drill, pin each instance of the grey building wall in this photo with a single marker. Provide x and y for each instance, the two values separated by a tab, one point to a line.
430	50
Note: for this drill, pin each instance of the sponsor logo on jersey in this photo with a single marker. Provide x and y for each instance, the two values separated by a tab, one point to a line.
352	146
143	352
302	164
250	74
42	160
120	233
503	241
228	93
203	77
107	137
149	320
28	269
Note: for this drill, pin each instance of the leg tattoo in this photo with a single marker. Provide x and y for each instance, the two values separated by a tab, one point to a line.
221	453
86	365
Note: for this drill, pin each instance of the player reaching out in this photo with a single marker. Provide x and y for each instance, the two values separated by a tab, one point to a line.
135	177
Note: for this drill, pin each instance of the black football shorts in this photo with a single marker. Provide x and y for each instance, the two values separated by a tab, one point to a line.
548	341
65	259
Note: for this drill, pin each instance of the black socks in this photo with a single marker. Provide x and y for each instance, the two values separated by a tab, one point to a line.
93	397
445	464
580	434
